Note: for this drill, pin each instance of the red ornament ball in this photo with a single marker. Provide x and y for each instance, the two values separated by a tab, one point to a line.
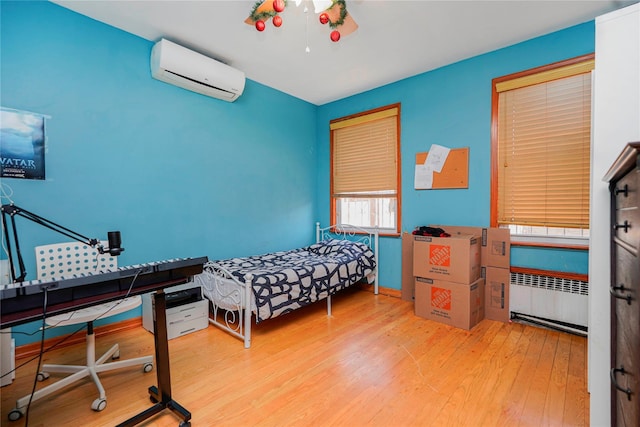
278	5
324	18
260	25
277	21
335	35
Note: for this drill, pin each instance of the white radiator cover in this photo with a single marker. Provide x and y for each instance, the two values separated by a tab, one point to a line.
552	298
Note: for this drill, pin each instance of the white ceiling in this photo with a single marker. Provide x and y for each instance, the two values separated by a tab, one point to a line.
395	39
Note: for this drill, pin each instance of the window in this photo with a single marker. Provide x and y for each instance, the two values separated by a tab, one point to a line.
541	133
365	170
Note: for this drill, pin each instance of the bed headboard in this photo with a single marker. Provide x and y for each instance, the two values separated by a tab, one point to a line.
355	234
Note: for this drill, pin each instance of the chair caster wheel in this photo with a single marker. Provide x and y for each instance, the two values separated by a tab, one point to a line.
116	355
99	404
42	376
148	367
15	415
184	424
153	399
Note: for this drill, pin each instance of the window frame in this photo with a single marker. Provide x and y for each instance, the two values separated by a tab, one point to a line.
581	243
398	195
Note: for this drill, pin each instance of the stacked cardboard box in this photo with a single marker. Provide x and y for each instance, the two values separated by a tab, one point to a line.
447	283
408	285
495	248
496	264
495	261
455	304
497	293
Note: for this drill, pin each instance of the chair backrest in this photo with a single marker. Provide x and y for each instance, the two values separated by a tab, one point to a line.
72	258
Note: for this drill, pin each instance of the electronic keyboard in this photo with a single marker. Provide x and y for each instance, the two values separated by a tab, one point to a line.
23	302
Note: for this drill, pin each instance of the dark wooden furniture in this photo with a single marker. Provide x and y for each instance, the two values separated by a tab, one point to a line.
624	185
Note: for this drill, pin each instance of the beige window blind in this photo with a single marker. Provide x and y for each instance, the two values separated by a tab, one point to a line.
543	156
365	158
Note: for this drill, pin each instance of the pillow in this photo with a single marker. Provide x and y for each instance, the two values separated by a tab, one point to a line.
330	246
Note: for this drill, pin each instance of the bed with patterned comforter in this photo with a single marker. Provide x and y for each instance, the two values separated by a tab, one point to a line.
280	282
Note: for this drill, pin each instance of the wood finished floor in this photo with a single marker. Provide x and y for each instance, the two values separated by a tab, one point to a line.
373	363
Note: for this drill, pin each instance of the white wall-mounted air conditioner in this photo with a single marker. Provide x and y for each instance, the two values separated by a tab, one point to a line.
177	65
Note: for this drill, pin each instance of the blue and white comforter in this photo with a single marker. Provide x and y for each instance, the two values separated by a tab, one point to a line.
285	281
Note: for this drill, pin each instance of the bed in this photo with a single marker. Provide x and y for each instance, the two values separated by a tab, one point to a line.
271	285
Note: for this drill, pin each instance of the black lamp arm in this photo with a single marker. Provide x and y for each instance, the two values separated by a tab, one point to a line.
12	211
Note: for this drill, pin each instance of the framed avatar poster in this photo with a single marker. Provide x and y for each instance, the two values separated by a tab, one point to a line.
22	144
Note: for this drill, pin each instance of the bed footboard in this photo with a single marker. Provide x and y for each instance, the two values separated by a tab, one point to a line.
230	303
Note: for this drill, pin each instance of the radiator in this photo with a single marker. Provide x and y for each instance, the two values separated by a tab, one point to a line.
552	299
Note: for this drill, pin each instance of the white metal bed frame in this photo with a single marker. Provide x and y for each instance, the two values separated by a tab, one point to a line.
234	317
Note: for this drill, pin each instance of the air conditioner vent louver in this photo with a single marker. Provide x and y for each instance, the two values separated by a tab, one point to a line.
200	83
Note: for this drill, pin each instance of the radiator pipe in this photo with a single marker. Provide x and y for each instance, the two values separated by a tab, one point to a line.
563	327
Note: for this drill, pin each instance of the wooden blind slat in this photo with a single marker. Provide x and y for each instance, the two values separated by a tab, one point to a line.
388	112
544	159
545	76
365	156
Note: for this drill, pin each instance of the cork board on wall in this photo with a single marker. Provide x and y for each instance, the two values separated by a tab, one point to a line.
455	172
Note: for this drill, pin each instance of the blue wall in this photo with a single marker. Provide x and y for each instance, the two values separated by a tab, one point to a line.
180	174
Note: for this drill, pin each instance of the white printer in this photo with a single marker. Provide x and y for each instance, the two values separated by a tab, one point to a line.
187	311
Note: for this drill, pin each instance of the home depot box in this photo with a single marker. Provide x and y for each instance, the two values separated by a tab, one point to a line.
495	243
407	267
455	304
496	247
454	259
496	297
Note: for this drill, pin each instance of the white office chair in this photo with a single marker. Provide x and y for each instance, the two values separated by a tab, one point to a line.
64	260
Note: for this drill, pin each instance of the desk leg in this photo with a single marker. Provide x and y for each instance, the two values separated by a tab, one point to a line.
161	395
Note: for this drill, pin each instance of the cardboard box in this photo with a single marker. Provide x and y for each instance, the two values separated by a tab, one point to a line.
495	243
407	291
496	298
455	304
453	259
496	247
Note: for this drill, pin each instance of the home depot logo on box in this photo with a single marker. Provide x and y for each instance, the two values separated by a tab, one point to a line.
440	255
456	304
454	259
441	298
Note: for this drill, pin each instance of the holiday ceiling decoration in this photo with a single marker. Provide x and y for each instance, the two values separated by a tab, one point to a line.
332	12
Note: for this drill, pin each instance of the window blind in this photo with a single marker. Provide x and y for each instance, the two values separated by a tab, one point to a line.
544	153
364	151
